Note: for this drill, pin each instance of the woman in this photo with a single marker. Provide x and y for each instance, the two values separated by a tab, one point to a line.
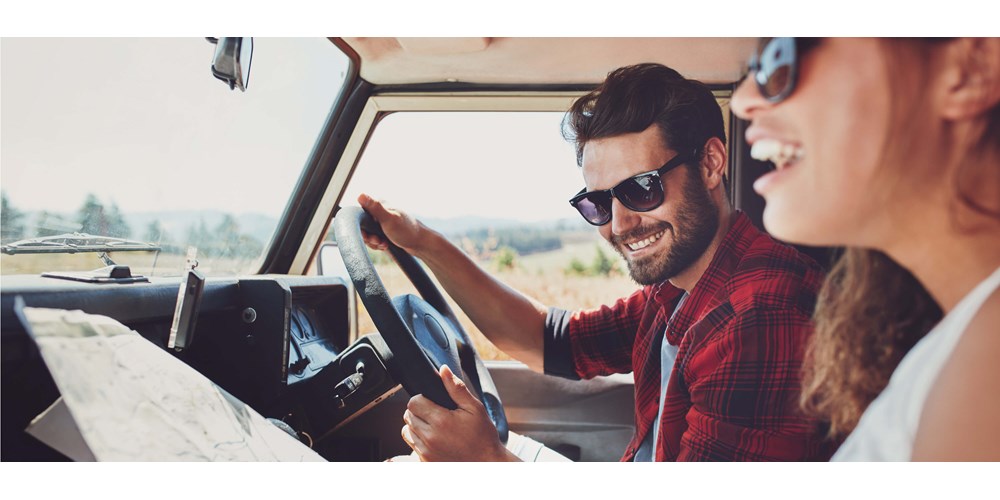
892	149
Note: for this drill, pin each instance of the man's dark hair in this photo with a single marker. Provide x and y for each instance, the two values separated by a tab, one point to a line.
632	98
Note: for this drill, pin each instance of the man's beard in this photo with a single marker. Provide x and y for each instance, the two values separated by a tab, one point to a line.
696	223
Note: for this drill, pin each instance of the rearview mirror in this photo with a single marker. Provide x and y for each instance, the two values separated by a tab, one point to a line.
231	62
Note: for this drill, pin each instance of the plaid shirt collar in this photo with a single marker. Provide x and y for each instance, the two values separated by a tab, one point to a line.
705	294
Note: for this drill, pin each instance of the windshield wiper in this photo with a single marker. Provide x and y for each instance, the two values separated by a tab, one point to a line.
77	243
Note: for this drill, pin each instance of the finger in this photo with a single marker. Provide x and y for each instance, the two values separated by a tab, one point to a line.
364	200
414	442
418	426
427	410
457	389
373	241
407	438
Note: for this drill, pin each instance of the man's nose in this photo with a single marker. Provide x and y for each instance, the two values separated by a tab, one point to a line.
747	100
623	220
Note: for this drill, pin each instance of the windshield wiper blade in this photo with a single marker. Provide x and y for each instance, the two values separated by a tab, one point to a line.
77	243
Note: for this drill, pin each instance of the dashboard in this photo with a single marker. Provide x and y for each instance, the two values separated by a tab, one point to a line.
281	344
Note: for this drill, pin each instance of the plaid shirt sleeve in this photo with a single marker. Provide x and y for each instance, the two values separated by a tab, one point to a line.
743	383
602	338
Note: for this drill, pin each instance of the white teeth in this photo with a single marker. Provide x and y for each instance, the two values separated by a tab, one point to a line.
644	243
775	151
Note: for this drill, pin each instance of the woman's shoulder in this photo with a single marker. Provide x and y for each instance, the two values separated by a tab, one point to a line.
962	411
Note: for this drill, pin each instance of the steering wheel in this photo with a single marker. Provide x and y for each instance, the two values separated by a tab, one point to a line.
422	332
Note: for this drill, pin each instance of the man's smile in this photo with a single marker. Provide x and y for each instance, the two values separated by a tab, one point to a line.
645	242
641	241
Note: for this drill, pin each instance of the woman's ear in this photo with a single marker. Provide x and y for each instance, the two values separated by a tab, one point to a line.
971	78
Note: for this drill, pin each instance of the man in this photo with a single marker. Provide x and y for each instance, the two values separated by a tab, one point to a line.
714	338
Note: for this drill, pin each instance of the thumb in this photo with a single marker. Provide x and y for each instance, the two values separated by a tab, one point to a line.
456	388
373	206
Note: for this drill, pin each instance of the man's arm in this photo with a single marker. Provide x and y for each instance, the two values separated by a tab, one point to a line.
511	320
744	382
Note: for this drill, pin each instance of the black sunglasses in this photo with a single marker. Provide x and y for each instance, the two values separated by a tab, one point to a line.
640	193
775	66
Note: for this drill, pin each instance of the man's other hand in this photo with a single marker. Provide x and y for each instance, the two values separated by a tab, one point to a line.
403	230
465	434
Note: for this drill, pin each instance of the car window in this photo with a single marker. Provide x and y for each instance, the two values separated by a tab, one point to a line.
135	139
497	184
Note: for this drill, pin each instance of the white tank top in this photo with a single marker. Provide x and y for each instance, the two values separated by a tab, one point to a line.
888	427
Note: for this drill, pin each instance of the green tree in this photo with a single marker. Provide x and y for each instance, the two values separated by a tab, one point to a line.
95	218
226	240
506	258
91	216
576	268
199	237
603	266
155	233
11	220
117	226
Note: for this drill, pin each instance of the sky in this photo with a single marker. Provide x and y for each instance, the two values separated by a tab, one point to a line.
143	124
503	165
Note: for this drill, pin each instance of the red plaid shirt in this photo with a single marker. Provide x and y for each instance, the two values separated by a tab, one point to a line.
733	391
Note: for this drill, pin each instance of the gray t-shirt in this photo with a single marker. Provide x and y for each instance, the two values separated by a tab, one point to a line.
668	355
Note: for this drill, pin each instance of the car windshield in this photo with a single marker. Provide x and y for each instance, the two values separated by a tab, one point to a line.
131	147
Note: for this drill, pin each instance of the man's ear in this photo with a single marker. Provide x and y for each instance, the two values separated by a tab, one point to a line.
971	78
713	163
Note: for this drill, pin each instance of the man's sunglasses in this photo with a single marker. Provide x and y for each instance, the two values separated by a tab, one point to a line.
640	193
775	66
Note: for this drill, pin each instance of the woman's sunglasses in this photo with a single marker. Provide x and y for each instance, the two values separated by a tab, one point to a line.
641	193
775	66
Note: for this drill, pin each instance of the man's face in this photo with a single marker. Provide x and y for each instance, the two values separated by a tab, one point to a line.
659	244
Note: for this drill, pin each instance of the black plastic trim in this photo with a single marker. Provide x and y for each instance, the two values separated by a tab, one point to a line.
129	303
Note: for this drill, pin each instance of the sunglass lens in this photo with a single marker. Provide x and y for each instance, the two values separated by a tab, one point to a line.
776	81
596	212
777	60
642	193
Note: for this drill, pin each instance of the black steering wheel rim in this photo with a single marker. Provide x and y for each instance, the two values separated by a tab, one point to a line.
411	365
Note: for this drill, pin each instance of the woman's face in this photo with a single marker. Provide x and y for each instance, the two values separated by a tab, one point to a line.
834	125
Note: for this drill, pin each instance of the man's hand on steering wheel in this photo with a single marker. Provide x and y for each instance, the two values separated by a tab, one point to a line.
422	331
404	231
465	434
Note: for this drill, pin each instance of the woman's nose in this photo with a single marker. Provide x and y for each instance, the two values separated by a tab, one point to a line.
747	100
